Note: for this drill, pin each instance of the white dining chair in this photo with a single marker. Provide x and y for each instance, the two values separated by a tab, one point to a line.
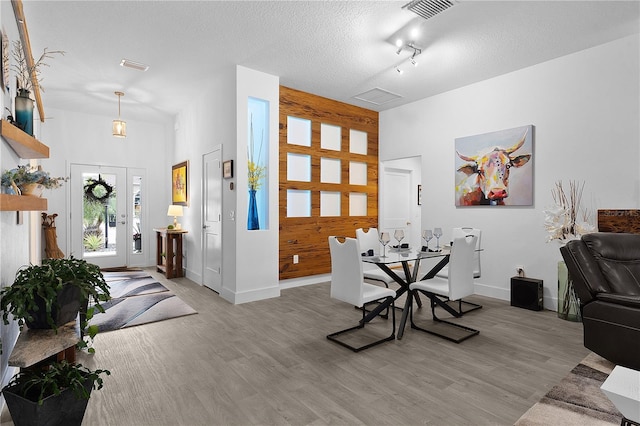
347	285
457	285
368	240
477	271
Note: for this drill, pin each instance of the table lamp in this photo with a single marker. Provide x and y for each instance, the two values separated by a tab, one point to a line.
175	211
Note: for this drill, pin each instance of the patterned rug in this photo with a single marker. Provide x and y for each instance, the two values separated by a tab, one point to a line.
577	399
137	298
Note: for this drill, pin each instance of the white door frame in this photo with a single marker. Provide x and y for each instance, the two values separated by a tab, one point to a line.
125	213
413	167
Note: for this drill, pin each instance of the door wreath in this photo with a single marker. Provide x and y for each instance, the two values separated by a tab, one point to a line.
97	191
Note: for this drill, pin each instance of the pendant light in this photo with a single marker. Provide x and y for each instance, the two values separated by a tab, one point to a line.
119	126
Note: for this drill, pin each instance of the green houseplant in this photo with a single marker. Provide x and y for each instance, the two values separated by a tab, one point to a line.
51	294
54	395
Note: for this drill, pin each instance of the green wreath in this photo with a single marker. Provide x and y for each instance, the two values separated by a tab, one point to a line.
97	191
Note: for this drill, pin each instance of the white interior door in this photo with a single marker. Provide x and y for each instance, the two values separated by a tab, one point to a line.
98	211
212	219
396	212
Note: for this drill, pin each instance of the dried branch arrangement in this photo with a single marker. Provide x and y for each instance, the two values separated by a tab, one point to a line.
22	69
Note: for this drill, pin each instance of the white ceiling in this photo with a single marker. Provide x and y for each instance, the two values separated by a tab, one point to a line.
336	49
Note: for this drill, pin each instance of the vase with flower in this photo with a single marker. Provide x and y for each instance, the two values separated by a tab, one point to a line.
26	77
256	173
564	221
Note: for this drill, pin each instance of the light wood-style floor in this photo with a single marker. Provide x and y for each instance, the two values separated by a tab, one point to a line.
269	363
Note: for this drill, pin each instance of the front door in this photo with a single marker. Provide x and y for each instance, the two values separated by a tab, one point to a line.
212	219
99	215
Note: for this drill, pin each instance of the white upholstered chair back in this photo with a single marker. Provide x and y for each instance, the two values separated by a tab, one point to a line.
368	240
463	232
346	271
461	267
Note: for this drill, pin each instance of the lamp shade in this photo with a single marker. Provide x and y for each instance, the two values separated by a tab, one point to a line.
174	210
119	128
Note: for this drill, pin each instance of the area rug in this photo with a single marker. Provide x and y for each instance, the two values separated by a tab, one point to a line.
577	399
137	298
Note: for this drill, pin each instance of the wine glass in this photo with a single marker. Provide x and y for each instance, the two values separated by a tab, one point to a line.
398	235
384	240
437	232
427	235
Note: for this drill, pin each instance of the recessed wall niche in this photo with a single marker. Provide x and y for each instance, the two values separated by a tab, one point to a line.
357	173
298	131
330	171
330	137
258	164
357	204
299	167
357	142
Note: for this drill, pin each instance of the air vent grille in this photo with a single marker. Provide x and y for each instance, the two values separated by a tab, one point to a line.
377	96
428	8
133	64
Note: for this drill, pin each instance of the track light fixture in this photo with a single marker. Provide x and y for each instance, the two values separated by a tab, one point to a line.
413	60
411	47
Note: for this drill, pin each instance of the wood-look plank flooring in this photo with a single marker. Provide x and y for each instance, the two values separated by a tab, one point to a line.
269	363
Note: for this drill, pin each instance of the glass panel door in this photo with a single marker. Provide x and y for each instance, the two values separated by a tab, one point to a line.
99	215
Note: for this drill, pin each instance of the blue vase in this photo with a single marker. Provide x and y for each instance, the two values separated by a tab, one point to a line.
252	218
24	112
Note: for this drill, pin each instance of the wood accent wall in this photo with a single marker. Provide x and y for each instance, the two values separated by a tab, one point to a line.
308	236
619	221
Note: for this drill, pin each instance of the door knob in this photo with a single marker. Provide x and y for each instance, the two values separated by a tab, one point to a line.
408	223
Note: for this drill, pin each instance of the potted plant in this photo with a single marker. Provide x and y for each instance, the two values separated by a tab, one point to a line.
28	180
52	294
54	395
25	76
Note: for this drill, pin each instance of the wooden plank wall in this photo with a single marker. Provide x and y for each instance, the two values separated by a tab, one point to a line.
619	221
307	236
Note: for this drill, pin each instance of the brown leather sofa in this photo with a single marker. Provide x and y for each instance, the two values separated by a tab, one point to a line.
605	269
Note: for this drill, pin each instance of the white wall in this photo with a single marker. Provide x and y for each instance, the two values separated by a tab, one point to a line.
219	117
75	137
585	110
257	250
15	240
207	122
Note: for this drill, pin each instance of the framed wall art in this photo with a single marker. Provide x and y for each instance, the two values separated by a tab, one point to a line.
495	169
180	184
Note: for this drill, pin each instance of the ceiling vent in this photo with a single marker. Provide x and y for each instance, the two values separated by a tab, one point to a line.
429	8
133	64
377	96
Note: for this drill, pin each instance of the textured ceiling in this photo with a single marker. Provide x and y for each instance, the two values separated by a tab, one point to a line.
336	49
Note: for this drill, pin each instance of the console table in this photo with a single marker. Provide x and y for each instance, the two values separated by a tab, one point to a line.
169	243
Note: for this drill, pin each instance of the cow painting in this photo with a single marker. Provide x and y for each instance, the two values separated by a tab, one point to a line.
493	172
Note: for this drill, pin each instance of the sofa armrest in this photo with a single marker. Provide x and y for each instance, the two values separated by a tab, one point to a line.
619	299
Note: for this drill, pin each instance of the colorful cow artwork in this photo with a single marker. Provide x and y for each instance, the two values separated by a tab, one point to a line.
495	175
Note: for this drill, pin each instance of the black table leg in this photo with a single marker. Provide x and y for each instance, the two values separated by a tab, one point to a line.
405	314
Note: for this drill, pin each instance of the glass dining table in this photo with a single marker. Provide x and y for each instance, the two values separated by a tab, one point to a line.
405	257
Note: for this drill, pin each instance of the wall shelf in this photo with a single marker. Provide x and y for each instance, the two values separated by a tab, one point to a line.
24	145
22	203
